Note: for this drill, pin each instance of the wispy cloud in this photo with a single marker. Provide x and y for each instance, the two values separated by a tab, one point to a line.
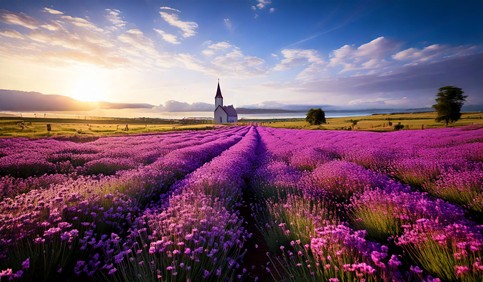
261	5
169	9
81	22
373	56
114	16
229	60
380	56
188	29
296	57
378	73
18	19
53	11
168	37
59	39
433	53
309	60
216	47
419	83
11	34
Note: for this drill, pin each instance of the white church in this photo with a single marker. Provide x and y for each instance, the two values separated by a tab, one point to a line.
223	114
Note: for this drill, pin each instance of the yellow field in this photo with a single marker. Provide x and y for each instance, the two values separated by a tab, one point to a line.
381	122
32	128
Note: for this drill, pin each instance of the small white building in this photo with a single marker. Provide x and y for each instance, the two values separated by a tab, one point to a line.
223	114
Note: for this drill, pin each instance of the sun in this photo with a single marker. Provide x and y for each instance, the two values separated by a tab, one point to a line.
88	91
88	85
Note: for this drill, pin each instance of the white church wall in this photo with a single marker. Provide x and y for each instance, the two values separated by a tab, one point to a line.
220	116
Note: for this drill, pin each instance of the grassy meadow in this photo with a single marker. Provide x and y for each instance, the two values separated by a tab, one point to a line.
380	122
37	127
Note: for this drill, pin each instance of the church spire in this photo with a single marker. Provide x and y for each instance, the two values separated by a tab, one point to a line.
218	97
218	91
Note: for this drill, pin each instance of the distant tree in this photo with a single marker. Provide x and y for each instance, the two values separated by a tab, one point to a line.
315	116
448	104
398	126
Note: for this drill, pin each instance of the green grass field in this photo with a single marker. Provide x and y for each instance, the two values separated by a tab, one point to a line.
385	122
37	127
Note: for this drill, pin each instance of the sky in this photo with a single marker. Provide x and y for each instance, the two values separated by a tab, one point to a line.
265	53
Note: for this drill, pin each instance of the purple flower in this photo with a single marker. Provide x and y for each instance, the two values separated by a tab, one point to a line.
416	269
26	264
112	271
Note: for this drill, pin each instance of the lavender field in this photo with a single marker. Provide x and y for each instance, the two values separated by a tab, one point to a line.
244	204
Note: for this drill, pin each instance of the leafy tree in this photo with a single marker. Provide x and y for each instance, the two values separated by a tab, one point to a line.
315	116
448	104
398	126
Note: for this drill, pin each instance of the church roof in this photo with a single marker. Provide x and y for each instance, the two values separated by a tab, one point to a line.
230	111
218	92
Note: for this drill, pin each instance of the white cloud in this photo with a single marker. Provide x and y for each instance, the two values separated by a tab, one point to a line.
379	58
377	48
168	37
11	34
373	55
53	26
298	57
191	63
188	29
433	53
169	9
19	19
135	38
52	11
60	39
227	59
309	60
114	16
262	4
220	45
418	83
215	47
81	22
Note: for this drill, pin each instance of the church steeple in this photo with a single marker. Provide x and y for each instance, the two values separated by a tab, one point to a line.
218	97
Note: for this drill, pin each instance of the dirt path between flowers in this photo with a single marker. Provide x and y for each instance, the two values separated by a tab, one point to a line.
255	260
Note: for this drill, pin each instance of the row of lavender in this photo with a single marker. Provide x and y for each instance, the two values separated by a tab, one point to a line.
337	211
197	233
86	224
446	163
32	164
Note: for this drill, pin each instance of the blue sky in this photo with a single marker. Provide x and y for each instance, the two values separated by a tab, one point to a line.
267	53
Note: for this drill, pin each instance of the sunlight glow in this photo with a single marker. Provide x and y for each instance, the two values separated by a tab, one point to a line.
89	88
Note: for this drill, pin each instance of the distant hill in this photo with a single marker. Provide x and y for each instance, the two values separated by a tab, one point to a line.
14	100
265	111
